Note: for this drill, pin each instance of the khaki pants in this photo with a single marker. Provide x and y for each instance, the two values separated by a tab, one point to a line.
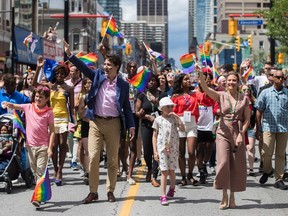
271	139
38	157
102	130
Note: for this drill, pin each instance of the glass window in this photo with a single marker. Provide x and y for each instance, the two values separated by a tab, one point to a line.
76	41
72	6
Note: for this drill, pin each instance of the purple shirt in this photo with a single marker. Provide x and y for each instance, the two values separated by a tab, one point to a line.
105	104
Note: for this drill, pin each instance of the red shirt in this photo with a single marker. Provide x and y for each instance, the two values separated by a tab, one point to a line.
187	102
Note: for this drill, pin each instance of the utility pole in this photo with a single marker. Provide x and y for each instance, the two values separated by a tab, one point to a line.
272	41
12	36
66	25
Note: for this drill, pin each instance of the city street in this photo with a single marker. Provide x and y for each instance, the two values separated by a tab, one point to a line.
143	199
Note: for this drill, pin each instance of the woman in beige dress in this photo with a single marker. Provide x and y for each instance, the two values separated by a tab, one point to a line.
230	141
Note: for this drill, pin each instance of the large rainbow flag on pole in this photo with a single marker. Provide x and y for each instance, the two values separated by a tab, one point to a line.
112	28
42	191
205	57
141	79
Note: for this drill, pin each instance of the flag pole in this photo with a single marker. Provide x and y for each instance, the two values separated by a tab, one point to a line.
106	29
147	49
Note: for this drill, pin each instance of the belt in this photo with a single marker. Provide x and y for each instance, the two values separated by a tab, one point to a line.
106	117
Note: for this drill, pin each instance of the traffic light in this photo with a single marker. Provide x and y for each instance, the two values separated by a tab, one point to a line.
232	27
250	41
103	27
237	43
128	49
280	58
235	67
207	47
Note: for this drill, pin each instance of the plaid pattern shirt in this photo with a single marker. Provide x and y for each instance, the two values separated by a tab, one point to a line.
274	105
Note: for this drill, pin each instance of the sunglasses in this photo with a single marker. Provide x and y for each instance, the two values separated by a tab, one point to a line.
170	75
245	90
279	77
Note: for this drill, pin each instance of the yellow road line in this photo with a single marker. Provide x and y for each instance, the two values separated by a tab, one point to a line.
130	198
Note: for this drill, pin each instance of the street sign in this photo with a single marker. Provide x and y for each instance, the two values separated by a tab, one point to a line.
250	22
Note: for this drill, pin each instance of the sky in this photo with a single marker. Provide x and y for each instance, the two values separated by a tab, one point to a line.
177	25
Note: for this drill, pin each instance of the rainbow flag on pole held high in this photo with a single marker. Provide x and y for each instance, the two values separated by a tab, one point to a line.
30	42
205	57
141	79
159	57
17	123
112	28
248	75
188	62
42	191
89	59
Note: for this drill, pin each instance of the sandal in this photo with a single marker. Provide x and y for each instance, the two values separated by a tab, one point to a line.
148	176
193	181
183	182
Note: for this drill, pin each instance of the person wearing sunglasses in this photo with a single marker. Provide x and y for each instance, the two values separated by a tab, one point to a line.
271	116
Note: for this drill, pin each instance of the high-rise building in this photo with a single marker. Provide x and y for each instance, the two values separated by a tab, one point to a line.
112	7
226	7
155	13
199	23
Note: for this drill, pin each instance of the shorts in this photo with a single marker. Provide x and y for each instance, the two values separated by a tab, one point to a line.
61	125
251	133
190	128
205	136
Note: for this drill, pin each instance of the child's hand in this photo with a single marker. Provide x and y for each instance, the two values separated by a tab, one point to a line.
50	152
173	114
156	156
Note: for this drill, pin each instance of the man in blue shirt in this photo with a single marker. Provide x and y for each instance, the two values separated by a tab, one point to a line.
272	106
8	93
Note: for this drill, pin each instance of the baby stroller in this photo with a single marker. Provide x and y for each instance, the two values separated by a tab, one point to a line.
17	161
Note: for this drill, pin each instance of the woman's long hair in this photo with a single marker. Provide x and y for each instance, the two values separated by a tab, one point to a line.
177	89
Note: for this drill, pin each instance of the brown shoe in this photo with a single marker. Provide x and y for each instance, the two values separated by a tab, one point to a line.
111	197
90	198
155	183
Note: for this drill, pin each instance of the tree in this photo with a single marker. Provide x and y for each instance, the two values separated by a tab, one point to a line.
277	21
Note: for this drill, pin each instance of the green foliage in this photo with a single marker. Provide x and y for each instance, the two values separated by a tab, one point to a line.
277	21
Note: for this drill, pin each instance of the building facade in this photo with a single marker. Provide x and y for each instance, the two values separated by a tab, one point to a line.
155	13
112	7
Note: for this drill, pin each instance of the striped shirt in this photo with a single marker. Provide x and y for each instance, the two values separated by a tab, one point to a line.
274	105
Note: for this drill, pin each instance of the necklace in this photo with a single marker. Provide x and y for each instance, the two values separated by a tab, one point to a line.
232	111
187	99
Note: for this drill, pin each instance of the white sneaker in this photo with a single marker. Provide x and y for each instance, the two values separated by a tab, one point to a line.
131	181
212	170
124	176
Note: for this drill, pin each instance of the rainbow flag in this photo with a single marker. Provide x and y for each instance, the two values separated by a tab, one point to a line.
216	73
112	28
188	62
248	75
30	42
17	123
205	57
141	79
159	57
89	59
42	191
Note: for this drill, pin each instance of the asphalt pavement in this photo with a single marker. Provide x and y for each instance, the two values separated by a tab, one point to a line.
143	198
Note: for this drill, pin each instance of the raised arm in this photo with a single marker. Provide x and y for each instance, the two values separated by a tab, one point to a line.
40	63
210	92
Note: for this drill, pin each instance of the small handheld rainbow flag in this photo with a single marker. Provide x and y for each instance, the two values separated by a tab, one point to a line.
89	59
188	62
216	74
17	123
42	191
205	57
248	75
141	79
159	57
30	42
112	28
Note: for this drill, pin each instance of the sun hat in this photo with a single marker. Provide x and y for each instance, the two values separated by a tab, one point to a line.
166	101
